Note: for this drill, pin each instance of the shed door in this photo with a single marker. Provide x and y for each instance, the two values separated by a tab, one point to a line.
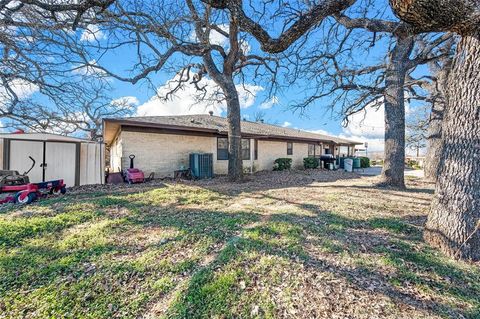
60	160
19	161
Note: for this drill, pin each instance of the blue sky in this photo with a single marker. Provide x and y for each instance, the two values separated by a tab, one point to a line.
276	109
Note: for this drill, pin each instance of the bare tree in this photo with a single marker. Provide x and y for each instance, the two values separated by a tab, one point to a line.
191	39
298	18
417	124
32	60
454	220
393	77
80	113
440	70
353	86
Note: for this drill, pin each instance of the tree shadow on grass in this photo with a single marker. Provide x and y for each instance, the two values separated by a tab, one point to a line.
212	287
37	257
394	241
266	180
374	187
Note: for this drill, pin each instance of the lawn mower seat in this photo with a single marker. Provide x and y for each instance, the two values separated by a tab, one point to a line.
12	178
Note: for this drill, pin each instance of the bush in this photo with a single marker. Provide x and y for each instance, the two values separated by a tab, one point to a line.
282	164
247	170
364	162
412	163
311	162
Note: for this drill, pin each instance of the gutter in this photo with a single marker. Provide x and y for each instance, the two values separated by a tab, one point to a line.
217	131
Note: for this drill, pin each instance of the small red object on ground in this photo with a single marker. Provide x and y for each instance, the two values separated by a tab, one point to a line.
134	175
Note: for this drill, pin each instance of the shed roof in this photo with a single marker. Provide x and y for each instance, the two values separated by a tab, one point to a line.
43	137
216	124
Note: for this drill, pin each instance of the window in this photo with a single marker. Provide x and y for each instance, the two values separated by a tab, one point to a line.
311	150
222	148
327	151
255	149
318	150
289	148
245	148
344	151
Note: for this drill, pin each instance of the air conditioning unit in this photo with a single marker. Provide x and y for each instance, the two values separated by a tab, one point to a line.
201	165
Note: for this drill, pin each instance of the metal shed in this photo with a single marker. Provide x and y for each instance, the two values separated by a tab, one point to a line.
76	161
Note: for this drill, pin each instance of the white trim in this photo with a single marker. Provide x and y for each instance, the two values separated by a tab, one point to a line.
44	137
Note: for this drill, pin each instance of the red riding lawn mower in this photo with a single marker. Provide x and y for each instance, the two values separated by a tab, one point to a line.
16	188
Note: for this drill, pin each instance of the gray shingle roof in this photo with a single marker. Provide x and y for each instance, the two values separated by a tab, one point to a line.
220	125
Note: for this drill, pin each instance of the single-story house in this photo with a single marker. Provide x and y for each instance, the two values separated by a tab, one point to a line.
76	161
162	144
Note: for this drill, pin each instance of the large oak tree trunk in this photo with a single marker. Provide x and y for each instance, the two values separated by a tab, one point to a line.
225	81
394	100
235	163
434	132
453	223
434	140
454	219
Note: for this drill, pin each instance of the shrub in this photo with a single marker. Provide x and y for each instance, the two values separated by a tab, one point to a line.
412	163
364	162
247	170
282	164
311	162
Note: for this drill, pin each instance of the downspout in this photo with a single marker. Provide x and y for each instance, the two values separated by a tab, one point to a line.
252	154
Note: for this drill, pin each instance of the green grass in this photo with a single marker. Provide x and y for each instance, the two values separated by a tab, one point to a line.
190	252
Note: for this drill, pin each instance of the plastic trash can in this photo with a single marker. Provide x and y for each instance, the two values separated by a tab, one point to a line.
357	164
348	164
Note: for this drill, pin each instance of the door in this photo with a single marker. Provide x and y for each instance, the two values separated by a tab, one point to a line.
19	158
61	162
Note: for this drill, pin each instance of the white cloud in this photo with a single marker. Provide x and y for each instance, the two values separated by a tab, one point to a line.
286	124
21	88
374	144
320	131
269	104
218	38
88	69
369	123
126	101
92	33
188	100
367	126
247	93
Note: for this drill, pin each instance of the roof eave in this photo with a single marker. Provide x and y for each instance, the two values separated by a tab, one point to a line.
161	126
216	131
